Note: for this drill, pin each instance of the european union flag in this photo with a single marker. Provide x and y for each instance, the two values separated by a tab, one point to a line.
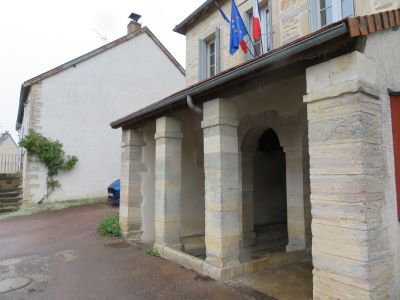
238	31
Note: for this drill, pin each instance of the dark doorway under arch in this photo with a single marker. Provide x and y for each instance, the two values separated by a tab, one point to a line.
269	184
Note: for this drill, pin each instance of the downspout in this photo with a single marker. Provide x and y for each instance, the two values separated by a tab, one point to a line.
189	101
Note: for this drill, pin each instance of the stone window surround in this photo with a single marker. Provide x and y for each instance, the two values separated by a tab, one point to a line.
203	65
266	27
315	13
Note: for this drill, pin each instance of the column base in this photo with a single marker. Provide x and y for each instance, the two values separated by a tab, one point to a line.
134	235
292	247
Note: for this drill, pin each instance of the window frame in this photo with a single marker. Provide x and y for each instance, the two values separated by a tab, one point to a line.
204	71
337	13
266	29
209	54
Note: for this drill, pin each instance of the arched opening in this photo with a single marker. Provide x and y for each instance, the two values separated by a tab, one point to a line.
269	188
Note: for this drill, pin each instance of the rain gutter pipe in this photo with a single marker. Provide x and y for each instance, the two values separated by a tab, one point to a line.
189	101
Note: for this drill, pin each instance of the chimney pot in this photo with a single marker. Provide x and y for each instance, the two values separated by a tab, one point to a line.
134	25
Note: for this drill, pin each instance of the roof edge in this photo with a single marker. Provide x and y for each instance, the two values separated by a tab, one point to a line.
25	87
314	39
181	27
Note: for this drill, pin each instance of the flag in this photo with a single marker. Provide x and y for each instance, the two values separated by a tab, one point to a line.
221	11
256	21
238	31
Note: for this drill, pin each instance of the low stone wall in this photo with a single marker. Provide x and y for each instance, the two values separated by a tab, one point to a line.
10	192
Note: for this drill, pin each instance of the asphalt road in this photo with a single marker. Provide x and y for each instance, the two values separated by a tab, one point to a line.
64	257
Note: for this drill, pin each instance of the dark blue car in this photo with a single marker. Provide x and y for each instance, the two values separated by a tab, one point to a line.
113	192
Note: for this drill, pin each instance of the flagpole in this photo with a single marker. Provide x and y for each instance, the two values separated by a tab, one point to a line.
262	44
227	20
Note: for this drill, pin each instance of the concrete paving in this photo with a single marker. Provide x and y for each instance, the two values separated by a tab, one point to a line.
286	282
66	259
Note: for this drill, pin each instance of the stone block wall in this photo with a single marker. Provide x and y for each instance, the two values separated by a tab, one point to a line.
351	242
290	21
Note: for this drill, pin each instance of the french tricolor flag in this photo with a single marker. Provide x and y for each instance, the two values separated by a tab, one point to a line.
256	21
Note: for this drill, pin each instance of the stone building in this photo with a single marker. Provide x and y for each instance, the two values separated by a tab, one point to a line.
269	159
73	102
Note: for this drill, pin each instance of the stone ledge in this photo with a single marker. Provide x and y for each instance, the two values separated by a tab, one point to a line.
219	121
168	134
341	89
242	269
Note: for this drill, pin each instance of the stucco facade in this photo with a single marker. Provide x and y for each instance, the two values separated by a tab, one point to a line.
7	145
74	106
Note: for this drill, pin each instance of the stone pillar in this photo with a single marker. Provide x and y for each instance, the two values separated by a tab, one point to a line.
221	167
351	253
131	184
168	182
295	198
248	235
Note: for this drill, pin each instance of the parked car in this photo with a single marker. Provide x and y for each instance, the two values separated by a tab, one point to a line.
113	192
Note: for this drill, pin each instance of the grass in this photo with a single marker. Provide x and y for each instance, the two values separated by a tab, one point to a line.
153	252
109	226
30	209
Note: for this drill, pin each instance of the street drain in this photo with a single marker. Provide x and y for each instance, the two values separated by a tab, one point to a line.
13	284
119	245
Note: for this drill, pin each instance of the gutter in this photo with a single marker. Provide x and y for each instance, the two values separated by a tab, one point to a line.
281	54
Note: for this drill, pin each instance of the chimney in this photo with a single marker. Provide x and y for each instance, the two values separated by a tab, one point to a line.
134	25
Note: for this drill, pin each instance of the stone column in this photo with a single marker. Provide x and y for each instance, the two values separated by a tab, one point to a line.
248	235
221	167
168	182
131	184
351	254
295	198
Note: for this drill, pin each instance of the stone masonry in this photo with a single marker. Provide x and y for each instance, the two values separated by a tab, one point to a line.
295	198
222	194
168	182
132	166
350	241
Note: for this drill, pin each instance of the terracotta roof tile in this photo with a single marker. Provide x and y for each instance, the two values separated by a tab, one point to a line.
365	25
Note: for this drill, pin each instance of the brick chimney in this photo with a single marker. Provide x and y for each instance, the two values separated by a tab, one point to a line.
134	25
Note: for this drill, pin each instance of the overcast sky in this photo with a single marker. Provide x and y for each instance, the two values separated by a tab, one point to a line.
39	35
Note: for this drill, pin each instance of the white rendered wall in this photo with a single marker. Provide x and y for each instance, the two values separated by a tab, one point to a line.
383	48
79	103
8	147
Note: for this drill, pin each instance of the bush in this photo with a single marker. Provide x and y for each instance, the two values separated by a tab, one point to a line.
153	252
109	226
51	154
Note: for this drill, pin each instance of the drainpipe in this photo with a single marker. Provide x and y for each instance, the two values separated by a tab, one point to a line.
189	101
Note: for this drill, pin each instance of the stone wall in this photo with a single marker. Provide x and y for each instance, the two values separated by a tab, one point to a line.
351	238
290	21
379	47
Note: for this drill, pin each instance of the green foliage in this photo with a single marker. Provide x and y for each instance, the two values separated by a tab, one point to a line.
49	153
153	252
109	226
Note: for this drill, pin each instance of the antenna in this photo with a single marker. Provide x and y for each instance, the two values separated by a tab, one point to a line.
103	37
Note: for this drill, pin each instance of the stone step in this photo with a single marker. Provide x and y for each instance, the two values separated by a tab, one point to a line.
10	193
6	204
7	210
11	200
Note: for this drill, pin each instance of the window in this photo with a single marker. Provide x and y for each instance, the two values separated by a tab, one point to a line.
265	43
324	12
209	55
211	62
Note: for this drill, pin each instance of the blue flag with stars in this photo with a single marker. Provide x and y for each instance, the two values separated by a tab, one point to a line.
238	31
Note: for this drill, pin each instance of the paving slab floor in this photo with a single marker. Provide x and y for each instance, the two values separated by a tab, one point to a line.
62	255
286	282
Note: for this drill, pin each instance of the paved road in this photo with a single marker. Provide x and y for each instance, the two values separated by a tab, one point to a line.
66	259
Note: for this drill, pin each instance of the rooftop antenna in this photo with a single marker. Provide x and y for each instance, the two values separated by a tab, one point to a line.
103	37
